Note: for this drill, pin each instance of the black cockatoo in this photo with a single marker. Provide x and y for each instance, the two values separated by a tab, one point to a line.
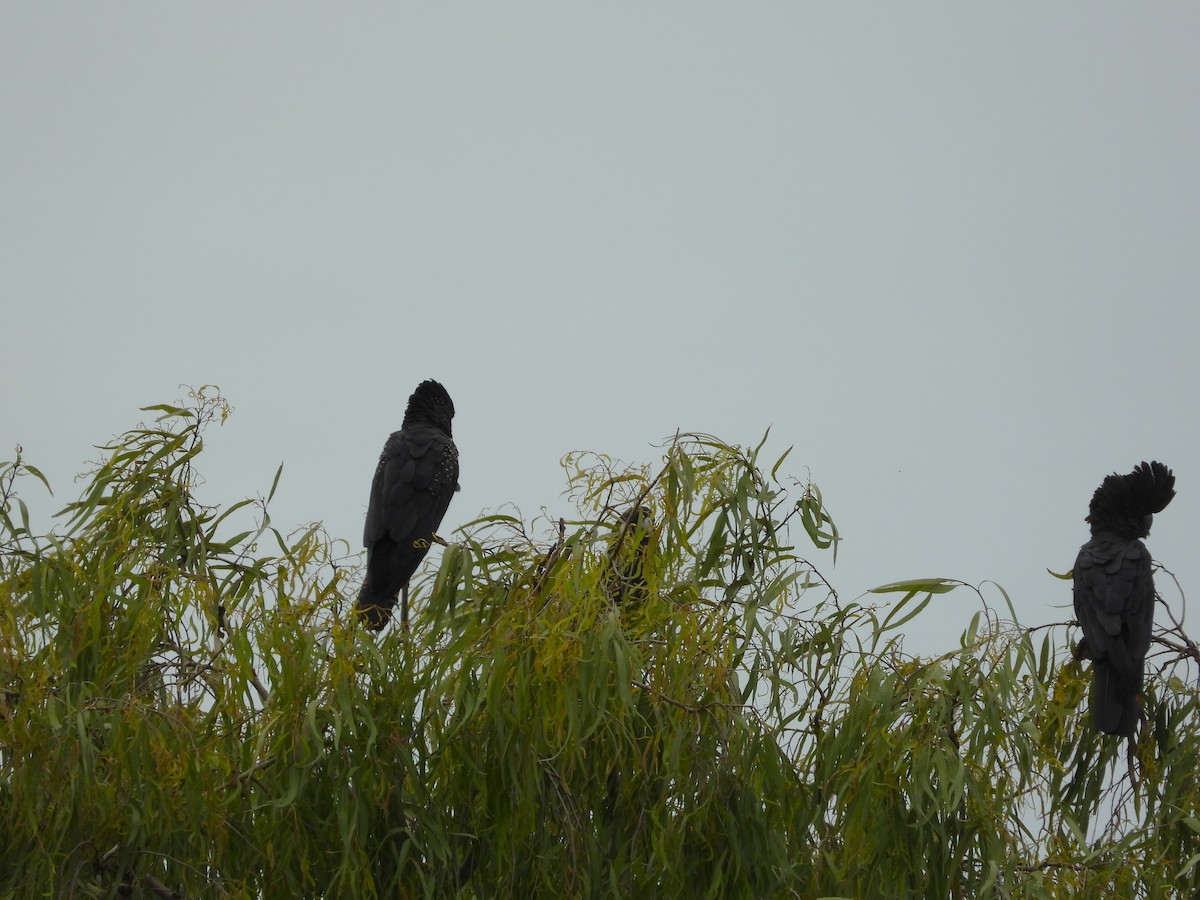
414	481
1114	591
627	556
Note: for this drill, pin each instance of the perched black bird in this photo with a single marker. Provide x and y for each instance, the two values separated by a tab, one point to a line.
627	556
1114	591
414	481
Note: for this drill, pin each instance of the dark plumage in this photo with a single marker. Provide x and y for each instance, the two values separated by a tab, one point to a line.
627	556
1114	591
414	481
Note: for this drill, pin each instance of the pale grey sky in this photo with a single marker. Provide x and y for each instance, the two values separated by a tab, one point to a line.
949	252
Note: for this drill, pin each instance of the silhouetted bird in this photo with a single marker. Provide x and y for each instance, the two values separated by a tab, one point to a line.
627	556
1114	591
414	481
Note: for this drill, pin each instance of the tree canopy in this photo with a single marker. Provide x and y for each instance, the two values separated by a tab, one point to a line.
189	709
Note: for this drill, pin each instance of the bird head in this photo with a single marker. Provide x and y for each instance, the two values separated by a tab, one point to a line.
1125	504
430	404
638	517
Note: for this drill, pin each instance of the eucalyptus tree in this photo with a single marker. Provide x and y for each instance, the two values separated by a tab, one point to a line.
188	708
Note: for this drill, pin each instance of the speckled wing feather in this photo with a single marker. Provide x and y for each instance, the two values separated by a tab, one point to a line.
416	477
1114	602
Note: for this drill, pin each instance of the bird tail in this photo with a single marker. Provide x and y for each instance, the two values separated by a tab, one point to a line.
1115	708
374	610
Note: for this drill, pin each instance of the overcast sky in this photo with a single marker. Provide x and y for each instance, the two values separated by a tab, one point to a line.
949	252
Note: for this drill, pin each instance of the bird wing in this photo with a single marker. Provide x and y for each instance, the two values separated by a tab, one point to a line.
1114	601
414	481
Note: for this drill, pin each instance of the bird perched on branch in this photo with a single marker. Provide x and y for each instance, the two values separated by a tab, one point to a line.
414	481
627	556
1114	591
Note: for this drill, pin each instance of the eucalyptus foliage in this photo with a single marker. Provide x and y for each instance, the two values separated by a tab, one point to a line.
188	709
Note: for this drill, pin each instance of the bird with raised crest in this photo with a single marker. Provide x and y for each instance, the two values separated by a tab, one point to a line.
1114	592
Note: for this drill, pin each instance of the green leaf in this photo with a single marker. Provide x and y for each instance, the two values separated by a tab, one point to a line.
917	585
37	473
274	483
